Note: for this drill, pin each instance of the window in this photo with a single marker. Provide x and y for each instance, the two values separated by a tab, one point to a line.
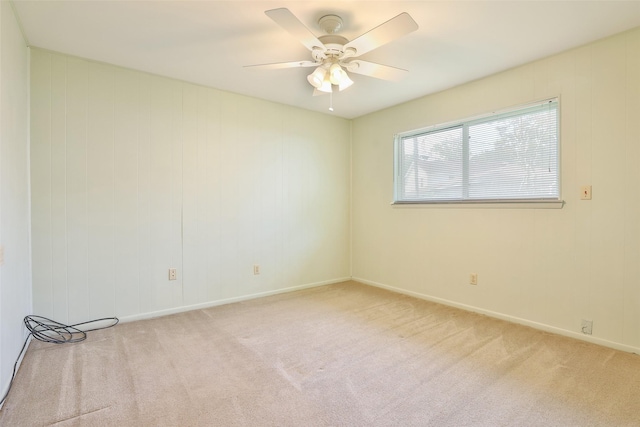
512	156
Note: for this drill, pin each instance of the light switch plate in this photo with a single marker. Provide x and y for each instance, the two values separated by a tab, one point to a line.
585	192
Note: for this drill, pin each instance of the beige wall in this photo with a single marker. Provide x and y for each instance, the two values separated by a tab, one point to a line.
546	267
133	174
15	282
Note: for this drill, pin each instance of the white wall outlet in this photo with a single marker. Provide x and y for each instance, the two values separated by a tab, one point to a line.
473	279
173	274
585	192
587	326
256	269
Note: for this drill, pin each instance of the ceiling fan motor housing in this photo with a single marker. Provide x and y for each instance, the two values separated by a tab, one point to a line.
334	45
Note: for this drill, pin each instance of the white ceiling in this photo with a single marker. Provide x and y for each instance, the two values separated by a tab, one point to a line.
209	42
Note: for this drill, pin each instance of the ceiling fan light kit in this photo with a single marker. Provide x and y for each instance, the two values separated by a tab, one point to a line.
332	53
335	73
316	78
327	75
345	82
326	85
339	77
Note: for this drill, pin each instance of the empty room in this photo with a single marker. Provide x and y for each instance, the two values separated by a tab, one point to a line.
305	213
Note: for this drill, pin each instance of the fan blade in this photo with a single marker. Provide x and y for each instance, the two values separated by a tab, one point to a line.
384	33
279	65
371	69
297	29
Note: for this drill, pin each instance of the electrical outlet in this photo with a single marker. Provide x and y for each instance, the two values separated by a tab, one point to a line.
173	274
256	269
587	326
473	279
585	192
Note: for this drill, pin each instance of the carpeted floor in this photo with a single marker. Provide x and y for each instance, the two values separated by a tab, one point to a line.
338	355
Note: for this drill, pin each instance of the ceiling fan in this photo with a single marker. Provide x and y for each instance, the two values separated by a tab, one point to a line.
332	54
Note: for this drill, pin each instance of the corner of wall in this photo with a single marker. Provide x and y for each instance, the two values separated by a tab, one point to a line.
15	275
351	198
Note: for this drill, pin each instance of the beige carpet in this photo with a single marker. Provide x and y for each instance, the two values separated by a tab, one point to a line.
337	355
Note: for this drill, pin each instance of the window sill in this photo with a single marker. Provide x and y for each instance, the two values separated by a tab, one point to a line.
483	204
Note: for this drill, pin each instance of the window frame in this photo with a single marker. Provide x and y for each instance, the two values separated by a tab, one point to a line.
464	124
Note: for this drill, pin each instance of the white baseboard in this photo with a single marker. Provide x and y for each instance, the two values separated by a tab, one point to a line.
208	304
509	318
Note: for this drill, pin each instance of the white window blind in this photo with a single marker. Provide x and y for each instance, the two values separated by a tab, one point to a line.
511	156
